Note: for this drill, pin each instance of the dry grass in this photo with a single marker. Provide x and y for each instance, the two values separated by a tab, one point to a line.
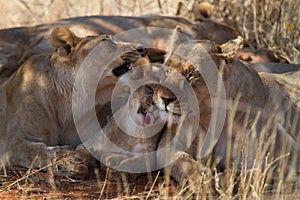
32	12
271	24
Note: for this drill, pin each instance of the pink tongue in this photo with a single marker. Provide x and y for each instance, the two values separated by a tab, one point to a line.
149	118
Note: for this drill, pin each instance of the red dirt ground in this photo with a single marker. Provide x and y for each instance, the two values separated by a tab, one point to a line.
40	185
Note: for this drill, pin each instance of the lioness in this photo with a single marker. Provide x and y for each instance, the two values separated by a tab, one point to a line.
260	113
36	122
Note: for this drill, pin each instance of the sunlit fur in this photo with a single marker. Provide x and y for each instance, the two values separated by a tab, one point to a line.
37	125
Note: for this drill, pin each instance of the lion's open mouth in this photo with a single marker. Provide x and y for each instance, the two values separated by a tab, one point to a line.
149	118
122	69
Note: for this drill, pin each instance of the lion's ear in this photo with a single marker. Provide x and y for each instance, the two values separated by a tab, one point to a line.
63	40
176	39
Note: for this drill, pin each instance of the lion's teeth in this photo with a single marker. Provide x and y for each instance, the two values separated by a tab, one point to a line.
131	66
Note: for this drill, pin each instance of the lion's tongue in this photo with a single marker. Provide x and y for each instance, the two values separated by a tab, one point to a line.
149	119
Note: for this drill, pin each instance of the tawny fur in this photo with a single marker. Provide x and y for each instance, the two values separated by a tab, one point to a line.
37	125
262	110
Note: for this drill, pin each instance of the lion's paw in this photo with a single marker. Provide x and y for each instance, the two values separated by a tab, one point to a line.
67	162
190	174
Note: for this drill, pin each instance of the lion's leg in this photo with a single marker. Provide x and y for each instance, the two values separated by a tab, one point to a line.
62	160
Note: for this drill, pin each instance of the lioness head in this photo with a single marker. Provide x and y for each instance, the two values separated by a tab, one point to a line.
204	63
67	44
215	62
71	50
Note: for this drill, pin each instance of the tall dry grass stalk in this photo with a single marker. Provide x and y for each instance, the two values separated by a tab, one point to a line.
271	24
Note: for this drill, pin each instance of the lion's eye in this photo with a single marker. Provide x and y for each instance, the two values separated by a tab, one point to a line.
186	71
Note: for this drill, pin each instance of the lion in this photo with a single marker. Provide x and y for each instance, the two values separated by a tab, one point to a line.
260	112
37	124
